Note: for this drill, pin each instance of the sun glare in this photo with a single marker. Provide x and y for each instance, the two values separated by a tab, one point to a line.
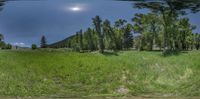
75	9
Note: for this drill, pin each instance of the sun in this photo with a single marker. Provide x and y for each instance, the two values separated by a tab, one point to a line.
75	9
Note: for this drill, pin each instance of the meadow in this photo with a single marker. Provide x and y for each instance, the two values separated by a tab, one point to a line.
71	74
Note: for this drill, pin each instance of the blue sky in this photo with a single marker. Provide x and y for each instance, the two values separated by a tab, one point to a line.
24	22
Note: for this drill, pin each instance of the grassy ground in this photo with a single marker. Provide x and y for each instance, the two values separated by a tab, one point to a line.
69	74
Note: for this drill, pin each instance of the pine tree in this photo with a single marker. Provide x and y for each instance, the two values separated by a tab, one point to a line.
128	37
43	42
90	39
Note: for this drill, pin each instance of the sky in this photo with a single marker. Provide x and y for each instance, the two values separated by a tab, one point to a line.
23	22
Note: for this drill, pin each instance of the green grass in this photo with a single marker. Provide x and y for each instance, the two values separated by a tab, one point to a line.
69	74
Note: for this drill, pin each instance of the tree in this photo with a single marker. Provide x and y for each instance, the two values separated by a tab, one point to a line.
197	41
2	2
110	35
90	40
170	10
81	40
120	23
1	37
76	45
98	27
128	37
149	27
154	24
119	28
2	45
139	28
8	46
34	46
185	34
43	42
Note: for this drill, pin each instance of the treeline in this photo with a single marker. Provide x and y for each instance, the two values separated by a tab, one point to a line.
3	45
164	28
103	36
153	34
145	33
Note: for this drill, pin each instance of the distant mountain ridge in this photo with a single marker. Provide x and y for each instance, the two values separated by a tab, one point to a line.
61	44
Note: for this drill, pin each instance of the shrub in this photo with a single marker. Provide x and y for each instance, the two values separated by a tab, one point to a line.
2	44
169	52
34	46
7	46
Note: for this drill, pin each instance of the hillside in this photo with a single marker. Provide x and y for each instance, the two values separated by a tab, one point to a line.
61	44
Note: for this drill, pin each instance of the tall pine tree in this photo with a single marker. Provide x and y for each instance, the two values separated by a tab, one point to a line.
43	42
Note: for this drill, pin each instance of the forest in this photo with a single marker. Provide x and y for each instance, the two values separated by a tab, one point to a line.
166	27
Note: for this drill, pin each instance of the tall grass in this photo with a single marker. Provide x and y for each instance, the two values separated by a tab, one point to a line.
56	73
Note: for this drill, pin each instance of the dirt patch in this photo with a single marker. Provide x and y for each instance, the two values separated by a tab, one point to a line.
122	90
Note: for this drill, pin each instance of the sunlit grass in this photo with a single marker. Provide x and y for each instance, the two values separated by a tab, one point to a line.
57	73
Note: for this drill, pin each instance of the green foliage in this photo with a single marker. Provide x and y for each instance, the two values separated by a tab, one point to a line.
1	37
90	40
152	33
155	31
2	44
148	26
110	36
81	39
98	28
128	37
7	46
170	11
119	28
163	28
197	41
33	46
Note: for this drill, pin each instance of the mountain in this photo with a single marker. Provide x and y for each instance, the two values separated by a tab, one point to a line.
61	44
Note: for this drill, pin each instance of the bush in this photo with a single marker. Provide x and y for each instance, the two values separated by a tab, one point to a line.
8	46
2	44
169	52
34	46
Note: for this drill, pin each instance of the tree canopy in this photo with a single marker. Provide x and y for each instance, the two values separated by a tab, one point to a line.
2	2
163	28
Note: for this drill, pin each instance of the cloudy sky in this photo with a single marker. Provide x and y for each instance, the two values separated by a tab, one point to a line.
23	22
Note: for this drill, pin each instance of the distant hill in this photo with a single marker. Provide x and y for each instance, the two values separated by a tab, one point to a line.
62	43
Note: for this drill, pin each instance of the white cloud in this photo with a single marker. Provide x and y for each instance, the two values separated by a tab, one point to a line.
21	44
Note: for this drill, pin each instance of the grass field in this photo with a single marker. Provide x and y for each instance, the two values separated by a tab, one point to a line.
70	74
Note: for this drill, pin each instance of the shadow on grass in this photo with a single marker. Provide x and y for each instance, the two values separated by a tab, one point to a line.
168	53
111	53
155	51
